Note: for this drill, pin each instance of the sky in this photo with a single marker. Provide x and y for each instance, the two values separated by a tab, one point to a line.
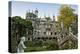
20	8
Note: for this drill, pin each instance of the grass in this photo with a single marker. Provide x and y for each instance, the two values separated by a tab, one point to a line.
31	49
40	46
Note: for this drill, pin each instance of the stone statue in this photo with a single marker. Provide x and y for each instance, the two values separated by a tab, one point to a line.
21	45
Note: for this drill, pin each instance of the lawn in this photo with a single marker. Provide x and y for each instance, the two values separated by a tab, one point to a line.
31	49
40	46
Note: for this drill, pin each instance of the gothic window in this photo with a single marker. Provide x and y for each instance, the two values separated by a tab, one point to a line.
51	33
55	33
48	29
38	37
61	36
50	38
46	37
44	33
43	38
54	38
51	25
28	38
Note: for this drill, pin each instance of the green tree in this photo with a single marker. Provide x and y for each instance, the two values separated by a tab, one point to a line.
18	29
74	25
22	25
66	15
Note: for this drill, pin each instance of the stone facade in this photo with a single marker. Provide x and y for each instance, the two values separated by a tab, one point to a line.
44	28
47	29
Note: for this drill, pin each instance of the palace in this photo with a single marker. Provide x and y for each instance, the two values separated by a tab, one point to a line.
44	28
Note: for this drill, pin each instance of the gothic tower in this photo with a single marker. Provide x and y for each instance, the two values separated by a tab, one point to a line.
53	18
36	12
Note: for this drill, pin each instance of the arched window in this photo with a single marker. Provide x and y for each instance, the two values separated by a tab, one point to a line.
51	33
61	36
50	38
55	33
44	33
38	38
28	38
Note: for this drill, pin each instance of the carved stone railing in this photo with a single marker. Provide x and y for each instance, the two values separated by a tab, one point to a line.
69	37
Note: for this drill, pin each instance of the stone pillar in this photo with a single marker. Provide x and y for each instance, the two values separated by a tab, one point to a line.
36	12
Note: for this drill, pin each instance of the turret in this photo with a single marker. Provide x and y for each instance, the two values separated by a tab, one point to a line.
53	18
36	12
27	14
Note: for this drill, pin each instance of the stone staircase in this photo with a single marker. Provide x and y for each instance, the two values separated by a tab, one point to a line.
69	37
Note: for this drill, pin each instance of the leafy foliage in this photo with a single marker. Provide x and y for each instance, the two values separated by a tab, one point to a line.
21	24
66	15
19	28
